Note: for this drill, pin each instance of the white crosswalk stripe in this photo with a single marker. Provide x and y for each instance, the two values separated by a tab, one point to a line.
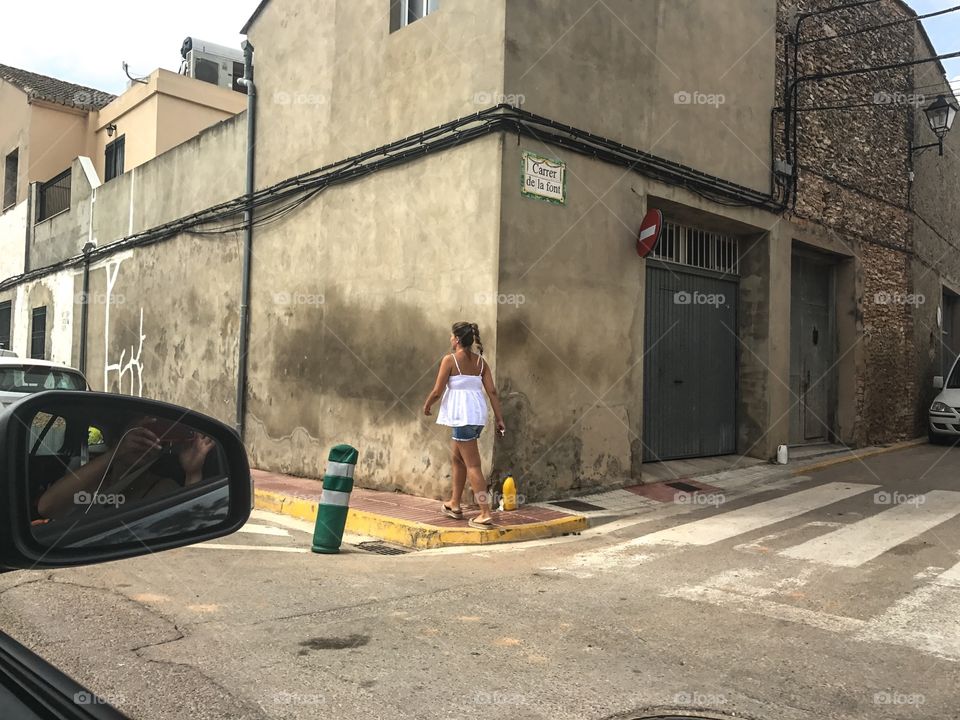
753	517
859	542
255	529
927	618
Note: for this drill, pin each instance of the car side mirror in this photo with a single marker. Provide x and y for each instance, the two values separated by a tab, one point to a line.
90	477
938	382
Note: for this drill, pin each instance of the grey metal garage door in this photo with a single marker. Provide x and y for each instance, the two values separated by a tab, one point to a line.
690	368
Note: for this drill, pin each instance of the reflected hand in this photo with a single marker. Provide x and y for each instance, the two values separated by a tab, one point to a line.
192	456
136	446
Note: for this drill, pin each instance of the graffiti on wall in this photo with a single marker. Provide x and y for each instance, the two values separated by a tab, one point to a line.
129	369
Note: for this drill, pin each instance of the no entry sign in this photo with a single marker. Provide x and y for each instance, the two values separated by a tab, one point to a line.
649	232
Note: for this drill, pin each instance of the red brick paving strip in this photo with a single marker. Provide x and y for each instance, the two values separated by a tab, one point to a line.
662	492
398	505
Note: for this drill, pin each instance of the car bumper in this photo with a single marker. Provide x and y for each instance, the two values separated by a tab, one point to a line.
944	424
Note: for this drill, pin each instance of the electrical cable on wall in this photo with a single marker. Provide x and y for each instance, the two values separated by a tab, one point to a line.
288	195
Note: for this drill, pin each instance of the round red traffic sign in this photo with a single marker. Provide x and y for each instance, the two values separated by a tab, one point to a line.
649	232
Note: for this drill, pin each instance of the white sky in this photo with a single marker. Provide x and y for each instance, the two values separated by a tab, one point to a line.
85	41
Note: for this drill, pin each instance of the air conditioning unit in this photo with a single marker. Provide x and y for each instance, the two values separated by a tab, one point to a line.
216	64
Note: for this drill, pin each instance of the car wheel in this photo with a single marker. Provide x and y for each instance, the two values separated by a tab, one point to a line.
936	438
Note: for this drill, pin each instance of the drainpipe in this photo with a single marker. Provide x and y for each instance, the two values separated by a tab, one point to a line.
247	82
85	305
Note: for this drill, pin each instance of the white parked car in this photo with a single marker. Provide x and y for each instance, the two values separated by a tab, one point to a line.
21	376
944	423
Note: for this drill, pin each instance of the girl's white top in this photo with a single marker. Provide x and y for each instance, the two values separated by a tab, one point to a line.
463	401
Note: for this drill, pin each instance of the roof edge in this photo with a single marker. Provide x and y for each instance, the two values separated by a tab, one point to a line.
256	14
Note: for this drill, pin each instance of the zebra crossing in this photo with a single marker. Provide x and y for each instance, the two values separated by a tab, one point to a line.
793	572
855	544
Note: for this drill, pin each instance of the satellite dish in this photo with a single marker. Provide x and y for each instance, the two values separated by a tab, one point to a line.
940	318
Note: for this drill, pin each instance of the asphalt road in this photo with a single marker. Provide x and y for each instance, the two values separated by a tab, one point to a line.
836	595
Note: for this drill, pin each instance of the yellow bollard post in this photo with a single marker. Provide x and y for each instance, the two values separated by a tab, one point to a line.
509	494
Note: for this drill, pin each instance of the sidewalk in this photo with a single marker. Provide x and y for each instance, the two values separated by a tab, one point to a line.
417	522
408	520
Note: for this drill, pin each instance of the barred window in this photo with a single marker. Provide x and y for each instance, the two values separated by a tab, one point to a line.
686	245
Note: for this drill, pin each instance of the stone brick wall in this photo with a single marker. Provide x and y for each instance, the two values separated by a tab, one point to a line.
853	179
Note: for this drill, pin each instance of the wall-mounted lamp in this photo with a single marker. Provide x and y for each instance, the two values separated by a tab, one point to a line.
111	129
940	116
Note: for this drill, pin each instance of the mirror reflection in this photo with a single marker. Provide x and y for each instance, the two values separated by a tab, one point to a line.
99	479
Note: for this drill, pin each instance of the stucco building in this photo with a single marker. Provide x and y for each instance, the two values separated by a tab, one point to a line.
436	161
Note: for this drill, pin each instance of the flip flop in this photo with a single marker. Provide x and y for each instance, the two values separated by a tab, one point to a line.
481	525
450	512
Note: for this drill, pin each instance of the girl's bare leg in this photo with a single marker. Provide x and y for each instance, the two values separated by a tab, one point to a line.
470	454
459	476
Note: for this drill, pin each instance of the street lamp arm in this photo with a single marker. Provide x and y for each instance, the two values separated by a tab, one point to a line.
790	97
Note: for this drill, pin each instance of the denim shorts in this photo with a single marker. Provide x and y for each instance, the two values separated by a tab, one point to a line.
467	432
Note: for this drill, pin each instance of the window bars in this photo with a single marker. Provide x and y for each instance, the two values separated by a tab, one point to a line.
694	247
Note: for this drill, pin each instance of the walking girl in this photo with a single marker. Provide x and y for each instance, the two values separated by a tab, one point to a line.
462	380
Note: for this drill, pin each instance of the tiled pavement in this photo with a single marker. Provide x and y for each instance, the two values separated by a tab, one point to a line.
401	506
609	504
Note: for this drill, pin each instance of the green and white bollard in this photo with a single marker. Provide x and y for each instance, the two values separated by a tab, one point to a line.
335	501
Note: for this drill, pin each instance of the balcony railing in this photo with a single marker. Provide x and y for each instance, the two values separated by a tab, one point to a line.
53	196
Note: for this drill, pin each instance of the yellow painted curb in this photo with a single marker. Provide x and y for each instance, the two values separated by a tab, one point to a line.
859	455
420	535
285	505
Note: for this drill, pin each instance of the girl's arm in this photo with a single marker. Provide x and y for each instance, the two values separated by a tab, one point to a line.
445	365
491	387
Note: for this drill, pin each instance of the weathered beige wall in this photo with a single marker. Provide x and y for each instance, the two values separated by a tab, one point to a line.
163	322
334	82
13	238
15	133
57	135
179	120
138	127
615	68
352	301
